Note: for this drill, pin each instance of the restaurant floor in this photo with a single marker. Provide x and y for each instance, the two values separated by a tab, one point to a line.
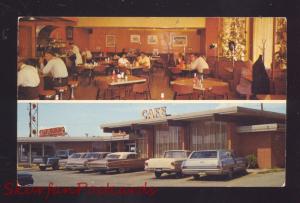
159	84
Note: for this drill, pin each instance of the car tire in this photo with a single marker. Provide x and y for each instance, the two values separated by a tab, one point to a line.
230	174
178	175
196	176
102	172
121	170
81	170
157	174
55	167
42	168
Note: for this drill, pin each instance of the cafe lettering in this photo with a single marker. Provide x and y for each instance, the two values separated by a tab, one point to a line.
155	113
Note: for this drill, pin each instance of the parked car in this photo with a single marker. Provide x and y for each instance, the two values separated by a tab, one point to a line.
62	163
71	162
213	162
52	161
24	179
118	161
81	163
170	163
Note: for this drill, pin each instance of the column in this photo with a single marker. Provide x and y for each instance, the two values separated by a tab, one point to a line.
43	149
30	154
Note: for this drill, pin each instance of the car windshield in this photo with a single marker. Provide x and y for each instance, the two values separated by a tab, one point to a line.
61	153
204	154
76	156
113	156
175	154
91	155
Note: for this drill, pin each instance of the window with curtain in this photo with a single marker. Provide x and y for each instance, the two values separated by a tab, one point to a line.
166	138
208	135
263	39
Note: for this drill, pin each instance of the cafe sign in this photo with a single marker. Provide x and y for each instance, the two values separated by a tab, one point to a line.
52	132
160	112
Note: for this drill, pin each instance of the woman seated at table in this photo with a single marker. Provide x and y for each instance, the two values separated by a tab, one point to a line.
56	68
143	60
123	61
28	80
181	62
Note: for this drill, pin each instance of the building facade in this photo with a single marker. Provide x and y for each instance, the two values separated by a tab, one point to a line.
243	130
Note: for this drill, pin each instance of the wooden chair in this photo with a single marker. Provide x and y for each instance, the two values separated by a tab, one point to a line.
146	73
141	89
105	91
182	91
220	91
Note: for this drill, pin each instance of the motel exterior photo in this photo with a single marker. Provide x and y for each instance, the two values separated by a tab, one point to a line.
246	131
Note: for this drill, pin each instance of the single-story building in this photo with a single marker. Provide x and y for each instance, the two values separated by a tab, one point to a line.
245	131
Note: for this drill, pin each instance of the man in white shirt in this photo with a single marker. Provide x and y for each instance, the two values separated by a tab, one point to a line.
28	80
56	68
198	63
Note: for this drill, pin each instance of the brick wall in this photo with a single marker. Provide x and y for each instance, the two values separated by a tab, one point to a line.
260	145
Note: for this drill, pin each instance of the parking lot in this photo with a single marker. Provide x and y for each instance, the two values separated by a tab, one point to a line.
137	179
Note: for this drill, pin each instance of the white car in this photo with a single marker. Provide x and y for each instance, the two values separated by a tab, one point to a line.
71	162
170	163
213	162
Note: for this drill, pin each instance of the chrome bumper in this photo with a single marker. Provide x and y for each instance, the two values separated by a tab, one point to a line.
199	171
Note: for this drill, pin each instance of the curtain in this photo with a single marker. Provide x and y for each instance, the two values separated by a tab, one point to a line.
263	32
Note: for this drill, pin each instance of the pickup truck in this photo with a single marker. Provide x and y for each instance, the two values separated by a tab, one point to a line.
213	162
170	163
118	161
52	161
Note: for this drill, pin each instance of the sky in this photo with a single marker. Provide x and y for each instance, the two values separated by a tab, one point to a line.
80	119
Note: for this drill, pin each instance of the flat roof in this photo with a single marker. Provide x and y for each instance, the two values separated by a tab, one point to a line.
70	139
230	111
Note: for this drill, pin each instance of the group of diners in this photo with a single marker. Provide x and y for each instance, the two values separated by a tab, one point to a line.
56	72
49	77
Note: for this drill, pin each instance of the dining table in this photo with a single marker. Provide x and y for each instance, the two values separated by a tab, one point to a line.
205	86
91	68
119	83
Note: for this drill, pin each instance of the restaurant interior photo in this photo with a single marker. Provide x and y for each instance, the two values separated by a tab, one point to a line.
155	58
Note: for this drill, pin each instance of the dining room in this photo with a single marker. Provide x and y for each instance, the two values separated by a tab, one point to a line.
152	58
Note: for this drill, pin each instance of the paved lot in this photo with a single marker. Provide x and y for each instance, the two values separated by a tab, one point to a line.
71	178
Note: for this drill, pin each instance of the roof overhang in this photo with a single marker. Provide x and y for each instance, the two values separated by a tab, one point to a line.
232	114
70	139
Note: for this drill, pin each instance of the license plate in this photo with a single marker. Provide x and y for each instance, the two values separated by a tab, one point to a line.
42	164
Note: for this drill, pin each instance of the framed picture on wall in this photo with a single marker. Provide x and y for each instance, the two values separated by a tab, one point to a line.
135	38
69	33
152	39
179	40
110	40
